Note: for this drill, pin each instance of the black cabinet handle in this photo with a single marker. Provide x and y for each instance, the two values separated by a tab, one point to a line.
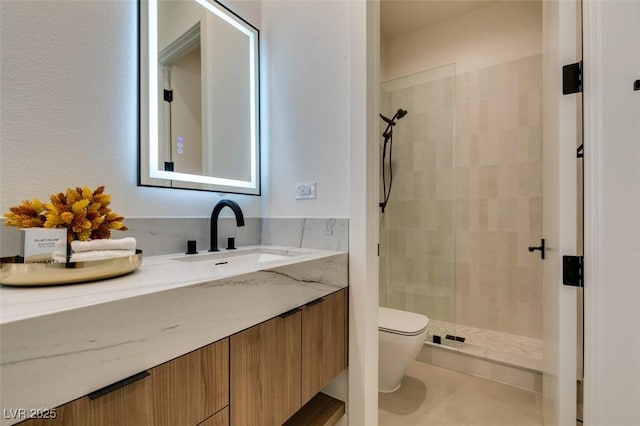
315	302
541	248
289	313
117	385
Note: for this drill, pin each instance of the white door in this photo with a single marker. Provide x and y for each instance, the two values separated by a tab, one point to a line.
560	47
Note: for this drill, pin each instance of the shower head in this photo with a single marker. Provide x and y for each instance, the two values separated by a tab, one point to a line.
397	116
401	113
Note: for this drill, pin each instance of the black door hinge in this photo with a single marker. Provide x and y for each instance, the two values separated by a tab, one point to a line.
572	78
573	271
168	166
580	151
168	95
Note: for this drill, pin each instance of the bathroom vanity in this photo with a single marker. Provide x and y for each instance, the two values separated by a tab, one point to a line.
242	338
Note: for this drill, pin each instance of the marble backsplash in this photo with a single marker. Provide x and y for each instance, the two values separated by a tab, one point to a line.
160	235
326	234
170	235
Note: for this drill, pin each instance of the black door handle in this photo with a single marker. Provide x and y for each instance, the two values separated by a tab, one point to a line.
541	248
117	385
291	312
315	302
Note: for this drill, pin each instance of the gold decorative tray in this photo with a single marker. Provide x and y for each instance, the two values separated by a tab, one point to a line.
14	273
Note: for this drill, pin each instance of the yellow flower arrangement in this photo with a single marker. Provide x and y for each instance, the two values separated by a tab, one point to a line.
85	214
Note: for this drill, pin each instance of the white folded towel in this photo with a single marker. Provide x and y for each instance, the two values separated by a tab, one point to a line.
128	243
92	255
84	251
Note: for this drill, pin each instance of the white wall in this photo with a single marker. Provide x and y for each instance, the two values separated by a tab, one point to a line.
364	41
612	210
68	108
305	106
314	126
501	32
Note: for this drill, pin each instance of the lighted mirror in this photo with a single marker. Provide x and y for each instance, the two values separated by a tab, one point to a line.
199	106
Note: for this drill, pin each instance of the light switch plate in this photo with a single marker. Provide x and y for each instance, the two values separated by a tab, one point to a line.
305	191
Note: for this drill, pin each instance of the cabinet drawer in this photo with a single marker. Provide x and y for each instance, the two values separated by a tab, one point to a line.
219	419
192	387
128	405
265	372
324	342
184	391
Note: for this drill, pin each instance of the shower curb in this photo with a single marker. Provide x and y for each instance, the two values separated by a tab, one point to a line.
499	371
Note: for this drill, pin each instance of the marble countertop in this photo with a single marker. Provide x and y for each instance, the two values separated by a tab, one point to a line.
60	343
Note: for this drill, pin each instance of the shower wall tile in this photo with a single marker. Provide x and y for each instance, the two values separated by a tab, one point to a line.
467	200
419	221
499	197
491	198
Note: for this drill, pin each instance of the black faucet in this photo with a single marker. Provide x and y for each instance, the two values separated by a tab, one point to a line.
214	220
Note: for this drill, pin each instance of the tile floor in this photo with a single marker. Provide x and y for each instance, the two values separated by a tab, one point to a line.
435	396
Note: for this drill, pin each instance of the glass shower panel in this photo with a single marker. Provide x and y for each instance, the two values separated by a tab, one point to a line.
417	228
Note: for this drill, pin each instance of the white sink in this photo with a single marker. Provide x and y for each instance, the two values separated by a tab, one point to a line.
240	257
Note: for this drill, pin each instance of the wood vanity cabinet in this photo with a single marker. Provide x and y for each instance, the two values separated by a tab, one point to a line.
221	418
260	376
279	365
324	342
185	391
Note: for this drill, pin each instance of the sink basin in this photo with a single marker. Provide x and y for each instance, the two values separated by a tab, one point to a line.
240	257
250	259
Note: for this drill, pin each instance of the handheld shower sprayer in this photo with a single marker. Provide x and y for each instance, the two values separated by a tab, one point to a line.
388	141
397	116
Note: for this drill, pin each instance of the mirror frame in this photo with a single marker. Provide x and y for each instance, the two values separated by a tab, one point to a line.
148	116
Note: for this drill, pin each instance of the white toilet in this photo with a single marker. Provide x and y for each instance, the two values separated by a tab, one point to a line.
401	334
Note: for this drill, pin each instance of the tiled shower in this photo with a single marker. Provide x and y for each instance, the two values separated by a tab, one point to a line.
466	204
417	235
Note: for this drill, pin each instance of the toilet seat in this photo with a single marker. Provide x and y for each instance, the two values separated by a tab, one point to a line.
401	322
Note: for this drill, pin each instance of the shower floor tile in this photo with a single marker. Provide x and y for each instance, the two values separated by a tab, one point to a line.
435	396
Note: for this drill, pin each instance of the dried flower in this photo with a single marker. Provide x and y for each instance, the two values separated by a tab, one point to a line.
85	214
29	214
